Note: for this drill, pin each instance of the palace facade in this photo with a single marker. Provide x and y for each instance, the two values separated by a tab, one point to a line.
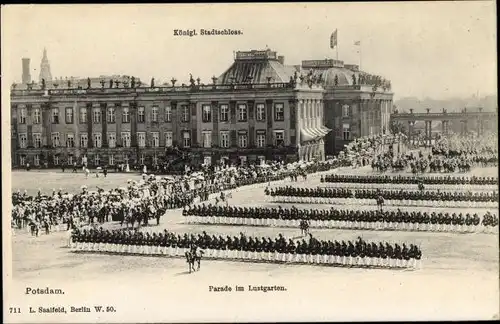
258	109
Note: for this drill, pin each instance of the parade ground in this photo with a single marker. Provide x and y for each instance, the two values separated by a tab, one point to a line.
457	281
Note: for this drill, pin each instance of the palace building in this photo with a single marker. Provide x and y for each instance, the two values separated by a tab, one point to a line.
258	109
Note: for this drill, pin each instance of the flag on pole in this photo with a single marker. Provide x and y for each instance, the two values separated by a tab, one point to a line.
333	39
357	43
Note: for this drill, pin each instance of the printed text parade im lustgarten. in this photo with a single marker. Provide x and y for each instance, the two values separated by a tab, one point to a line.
207	32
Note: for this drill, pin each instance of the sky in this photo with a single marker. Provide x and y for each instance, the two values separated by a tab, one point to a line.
437	50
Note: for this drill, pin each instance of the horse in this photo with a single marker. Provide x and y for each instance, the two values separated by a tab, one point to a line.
192	257
304	227
34	229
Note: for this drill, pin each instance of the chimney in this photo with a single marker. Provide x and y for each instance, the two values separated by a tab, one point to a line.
281	59
26	71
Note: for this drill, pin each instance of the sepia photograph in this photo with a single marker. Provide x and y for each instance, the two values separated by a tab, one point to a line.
247	162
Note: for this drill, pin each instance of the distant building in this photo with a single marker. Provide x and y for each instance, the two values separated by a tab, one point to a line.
258	109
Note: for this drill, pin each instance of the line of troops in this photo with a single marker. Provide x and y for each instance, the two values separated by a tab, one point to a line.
344	178
336	218
327	193
358	253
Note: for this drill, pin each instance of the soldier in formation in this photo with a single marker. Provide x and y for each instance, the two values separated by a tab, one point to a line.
401	179
337	218
242	247
330	195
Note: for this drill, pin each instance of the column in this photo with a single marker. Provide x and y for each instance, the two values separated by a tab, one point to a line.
410	132
251	123
269	119
429	137
104	123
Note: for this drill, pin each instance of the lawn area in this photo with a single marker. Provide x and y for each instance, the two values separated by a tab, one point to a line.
69	182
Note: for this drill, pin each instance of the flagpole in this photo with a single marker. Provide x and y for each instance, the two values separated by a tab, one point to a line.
360	56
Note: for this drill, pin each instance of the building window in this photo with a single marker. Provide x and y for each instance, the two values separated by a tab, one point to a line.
154	114
125	115
279	138
206	113
22	116
242	113
186	137
261	112
141	159
111	140
185	113
126	139
261	139
56	159
224	113
345	132
97	159
168	139
84	140
243	140
55	115
224	139
56	141
36	160
111	115
96	115
111	159
22	160
70	159
155	137
23	140
207	138
83	115
141	115
69	115
36	116
70	140
168	114
97	140
37	140
279	112
345	110
141	138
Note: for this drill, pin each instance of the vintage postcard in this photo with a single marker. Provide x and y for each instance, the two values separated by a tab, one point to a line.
250	162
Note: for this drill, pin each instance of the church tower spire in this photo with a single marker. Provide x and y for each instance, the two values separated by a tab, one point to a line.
45	68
